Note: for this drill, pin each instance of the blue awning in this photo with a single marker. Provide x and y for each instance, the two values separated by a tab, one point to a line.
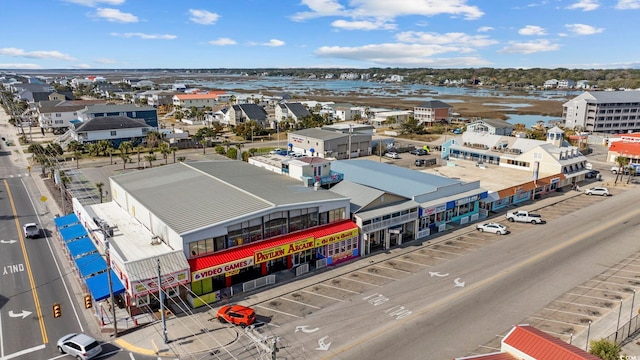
81	246
73	232
64	221
90	264
99	285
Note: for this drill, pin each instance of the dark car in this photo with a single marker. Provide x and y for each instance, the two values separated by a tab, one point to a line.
420	162
592	174
419	152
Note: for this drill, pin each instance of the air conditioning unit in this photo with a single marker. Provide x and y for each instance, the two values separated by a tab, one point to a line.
156	240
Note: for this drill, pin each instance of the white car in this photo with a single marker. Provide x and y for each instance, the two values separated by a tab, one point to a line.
602	191
393	155
492	228
31	230
80	346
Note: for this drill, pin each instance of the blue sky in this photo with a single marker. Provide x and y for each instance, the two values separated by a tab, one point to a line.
129	34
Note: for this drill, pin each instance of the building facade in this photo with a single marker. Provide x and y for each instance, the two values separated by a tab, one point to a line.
610	112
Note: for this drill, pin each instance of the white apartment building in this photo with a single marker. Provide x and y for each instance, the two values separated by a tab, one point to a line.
611	112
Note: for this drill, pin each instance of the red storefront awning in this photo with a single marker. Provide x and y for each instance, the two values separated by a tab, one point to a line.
247	251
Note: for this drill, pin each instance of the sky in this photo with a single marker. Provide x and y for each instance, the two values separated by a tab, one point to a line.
187	34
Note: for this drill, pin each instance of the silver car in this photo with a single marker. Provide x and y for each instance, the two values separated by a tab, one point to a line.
31	230
80	346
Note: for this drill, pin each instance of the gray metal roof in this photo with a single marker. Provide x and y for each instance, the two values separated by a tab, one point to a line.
95	109
193	195
111	123
605	97
360	195
372	214
146	269
320	134
253	111
496	123
434	104
390	178
298	109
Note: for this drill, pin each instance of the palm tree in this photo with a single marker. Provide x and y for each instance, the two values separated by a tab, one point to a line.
100	187
153	139
632	172
139	150
150	159
125	147
103	146
239	147
124	158
165	150
74	145
622	163
203	143
174	150
77	154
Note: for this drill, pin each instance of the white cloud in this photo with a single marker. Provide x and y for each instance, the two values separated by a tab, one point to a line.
222	42
585	5
395	54
203	17
115	15
529	47
532	30
454	39
94	3
105	61
485	29
274	43
628	4
20	66
15	52
582	29
81	66
145	36
388	9
363	25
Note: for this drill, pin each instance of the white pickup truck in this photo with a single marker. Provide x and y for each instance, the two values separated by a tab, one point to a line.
524	216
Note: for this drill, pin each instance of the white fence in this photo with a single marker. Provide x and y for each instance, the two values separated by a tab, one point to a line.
258	283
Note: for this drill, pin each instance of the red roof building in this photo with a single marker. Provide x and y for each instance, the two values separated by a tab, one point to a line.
525	342
626	149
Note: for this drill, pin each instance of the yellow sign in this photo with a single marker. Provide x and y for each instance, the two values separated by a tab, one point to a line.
283	250
231	273
330	239
43	198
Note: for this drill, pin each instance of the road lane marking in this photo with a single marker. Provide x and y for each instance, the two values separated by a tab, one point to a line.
279	312
32	282
602	227
23	352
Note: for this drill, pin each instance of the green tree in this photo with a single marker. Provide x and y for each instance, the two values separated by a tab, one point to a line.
232	153
75	145
125	147
153	139
605	349
100	187
125	158
150	158
165	150
622	163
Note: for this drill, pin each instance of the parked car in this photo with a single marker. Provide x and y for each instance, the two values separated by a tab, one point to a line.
392	155
237	315
524	216
420	162
592	174
419	152
492	228
602	191
31	230
80	346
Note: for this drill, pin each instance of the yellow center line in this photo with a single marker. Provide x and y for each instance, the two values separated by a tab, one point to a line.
477	285
28	266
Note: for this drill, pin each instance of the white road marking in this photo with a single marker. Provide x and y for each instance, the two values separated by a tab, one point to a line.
324	296
300	302
338	288
279	312
23	352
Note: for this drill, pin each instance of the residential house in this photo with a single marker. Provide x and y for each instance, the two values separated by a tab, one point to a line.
390	118
343	111
550	84
491	127
243	113
198	101
432	112
115	129
566	84
159	98
146	113
611	112
56	116
291	111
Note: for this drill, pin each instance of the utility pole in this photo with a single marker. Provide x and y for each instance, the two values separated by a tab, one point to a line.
162	316
112	299
274	348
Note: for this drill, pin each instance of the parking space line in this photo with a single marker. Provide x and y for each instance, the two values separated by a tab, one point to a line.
391	268
322	295
589	296
361	282
573	302
300	302
339	288
605	290
556	334
278	311
410	262
382	276
563	311
432	257
446	252
489	347
557	321
623	278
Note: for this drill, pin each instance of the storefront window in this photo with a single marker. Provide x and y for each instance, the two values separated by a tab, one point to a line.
335	215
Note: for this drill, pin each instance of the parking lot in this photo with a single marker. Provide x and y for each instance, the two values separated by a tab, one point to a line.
563	317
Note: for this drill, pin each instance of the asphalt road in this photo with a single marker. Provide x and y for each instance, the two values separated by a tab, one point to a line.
483	294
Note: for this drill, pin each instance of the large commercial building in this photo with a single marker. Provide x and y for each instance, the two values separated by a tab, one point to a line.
610	112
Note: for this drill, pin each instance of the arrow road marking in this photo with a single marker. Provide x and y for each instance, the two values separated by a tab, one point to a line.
8	241
458	283
305	329
435	273
321	345
22	314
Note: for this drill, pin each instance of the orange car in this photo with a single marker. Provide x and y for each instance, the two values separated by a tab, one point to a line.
237	315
